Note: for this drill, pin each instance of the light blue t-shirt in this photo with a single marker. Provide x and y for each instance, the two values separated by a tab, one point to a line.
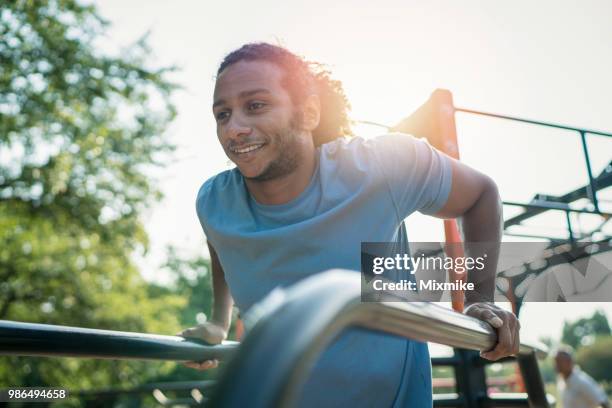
361	191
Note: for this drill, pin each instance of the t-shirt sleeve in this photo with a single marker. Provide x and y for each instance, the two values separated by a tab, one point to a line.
201	202
419	176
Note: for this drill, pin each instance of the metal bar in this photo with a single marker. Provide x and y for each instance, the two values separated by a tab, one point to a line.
500	400
310	315
470	378
569	226
552	239
445	361
532	379
555	206
453	400
31	339
534	122
592	187
603	180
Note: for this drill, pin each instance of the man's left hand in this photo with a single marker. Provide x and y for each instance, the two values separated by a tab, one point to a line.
505	323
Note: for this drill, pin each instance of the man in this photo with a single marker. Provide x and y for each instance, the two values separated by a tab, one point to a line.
301	200
576	388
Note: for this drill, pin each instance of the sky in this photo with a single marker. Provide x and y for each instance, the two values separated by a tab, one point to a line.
545	60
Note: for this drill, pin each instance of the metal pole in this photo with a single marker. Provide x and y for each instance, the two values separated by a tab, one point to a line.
592	188
569	226
31	339
533	122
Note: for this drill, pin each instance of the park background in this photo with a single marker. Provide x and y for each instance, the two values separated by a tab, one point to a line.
95	234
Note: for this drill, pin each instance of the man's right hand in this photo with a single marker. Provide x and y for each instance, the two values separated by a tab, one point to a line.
212	334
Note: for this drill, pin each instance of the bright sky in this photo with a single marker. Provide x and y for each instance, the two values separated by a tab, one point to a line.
545	60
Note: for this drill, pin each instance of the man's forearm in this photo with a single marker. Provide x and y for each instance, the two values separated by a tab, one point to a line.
222	309
223	301
482	230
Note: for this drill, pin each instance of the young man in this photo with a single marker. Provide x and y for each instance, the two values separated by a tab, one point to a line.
576	388
301	200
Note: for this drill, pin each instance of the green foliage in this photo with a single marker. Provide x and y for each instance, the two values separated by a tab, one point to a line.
583	331
547	366
596	359
194	284
547	370
80	132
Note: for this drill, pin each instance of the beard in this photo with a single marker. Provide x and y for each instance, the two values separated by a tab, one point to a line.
289	153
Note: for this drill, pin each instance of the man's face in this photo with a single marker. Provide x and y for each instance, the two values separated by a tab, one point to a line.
563	364
256	120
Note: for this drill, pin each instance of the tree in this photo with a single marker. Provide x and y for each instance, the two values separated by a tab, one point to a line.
583	331
596	359
193	281
80	132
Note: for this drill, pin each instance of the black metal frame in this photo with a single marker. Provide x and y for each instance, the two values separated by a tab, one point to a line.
541	203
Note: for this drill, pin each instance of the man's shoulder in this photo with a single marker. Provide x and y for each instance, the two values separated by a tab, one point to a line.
581	379
218	185
358	147
380	145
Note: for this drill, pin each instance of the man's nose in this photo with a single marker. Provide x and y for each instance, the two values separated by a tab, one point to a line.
236	129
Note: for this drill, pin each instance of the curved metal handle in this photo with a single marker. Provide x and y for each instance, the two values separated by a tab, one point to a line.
310	315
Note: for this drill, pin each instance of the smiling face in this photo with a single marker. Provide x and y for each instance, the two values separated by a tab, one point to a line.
257	123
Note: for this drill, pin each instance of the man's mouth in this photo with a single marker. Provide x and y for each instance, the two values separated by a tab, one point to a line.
246	149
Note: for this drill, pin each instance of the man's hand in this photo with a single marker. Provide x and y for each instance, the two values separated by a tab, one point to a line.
209	332
505	323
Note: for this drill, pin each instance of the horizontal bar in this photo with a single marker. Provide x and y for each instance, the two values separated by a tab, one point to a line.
315	311
448	400
510	400
430	322
445	361
550	205
32	339
534	122
557	240
604	180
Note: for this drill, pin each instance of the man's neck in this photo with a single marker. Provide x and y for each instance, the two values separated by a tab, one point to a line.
283	189
568	375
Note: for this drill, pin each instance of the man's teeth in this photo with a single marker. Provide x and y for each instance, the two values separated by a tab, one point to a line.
248	149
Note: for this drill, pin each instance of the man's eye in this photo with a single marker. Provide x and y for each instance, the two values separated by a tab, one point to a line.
222	115
256	105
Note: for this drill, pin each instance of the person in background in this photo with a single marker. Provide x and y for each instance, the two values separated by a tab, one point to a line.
576	388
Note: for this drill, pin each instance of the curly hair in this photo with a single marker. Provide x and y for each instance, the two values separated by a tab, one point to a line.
302	78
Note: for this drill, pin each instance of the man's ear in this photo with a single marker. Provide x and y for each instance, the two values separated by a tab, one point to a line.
311	113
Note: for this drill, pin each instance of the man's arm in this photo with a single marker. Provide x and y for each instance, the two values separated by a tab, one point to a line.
587	386
475	199
222	298
215	330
